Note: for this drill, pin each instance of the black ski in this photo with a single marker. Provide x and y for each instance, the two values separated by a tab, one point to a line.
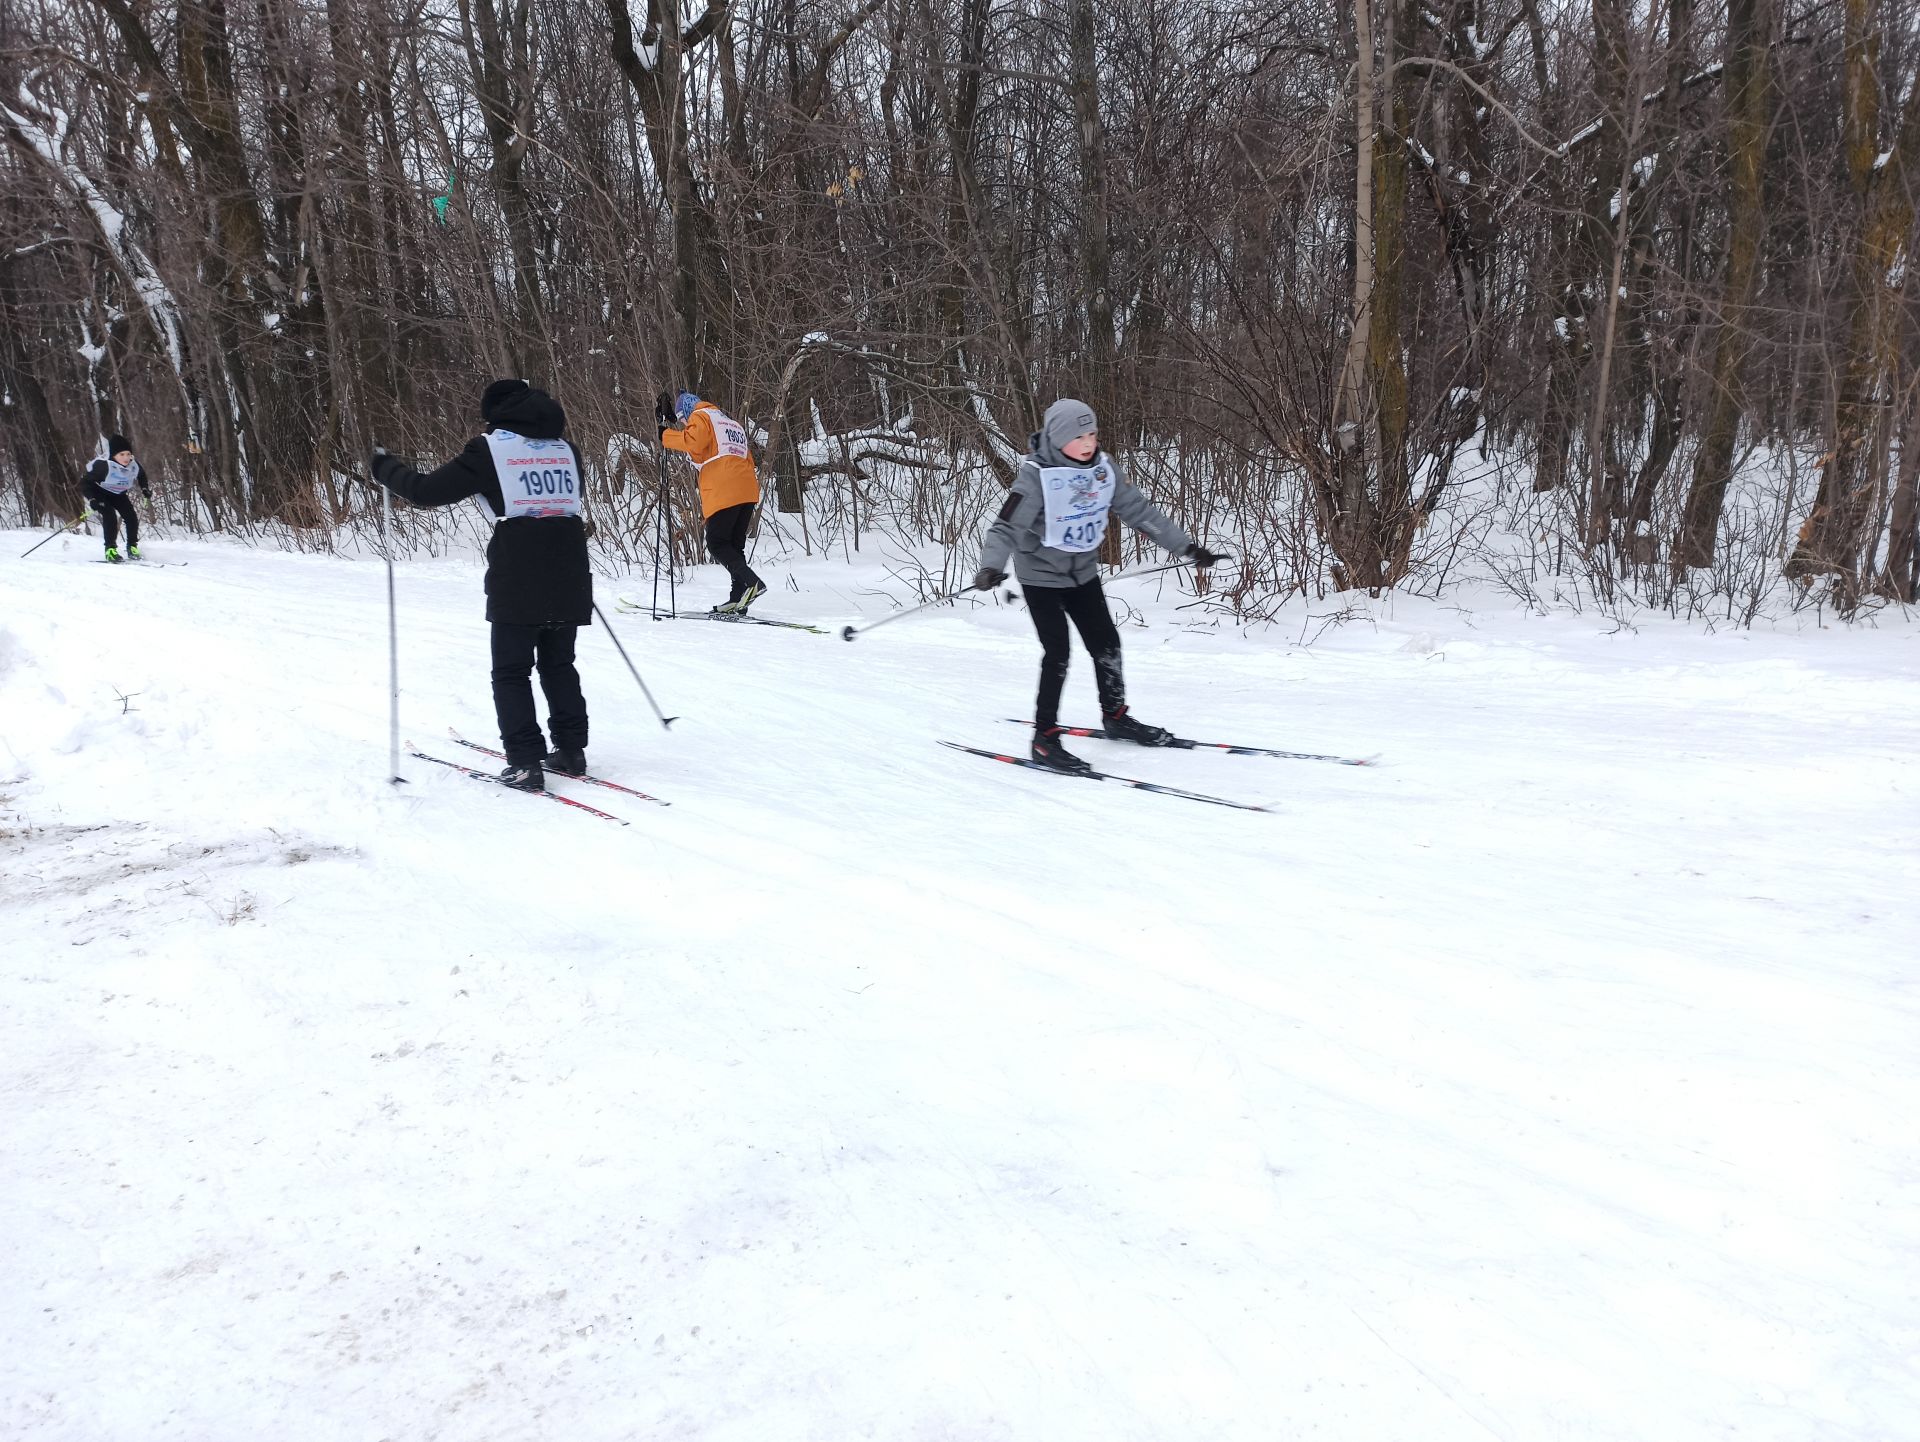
460	740
493	780
1181	743
1108	776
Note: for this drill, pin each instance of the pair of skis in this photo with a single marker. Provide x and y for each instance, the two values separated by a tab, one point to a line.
1092	732
493	780
732	618
1178	743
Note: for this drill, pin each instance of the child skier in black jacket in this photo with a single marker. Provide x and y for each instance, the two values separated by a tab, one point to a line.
539	586
106	484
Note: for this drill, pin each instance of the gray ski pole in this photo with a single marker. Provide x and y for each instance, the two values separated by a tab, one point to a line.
666	721
55	536
673	559
393	645
847	633
659	524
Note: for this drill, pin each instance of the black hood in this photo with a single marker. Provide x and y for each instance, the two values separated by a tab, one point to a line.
530	413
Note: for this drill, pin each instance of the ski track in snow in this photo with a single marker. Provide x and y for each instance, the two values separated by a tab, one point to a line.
1554	1079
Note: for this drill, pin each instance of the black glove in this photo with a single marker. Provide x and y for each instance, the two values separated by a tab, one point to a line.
663	409
146	490
1202	557
986	578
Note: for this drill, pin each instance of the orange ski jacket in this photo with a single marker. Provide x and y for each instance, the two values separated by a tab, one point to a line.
717	444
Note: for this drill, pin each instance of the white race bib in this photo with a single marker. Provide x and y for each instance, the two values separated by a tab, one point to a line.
729	437
119	478
1076	499
537	478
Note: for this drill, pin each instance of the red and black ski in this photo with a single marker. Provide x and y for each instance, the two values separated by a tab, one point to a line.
460	740
491	779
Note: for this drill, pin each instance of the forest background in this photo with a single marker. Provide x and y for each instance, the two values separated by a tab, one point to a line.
1598	300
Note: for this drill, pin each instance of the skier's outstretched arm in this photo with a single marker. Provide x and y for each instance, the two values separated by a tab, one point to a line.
1131	505
468	474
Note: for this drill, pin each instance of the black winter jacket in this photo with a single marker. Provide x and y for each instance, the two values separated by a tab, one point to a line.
98	494
537	571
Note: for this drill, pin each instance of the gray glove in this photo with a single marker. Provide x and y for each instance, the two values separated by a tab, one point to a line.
986	578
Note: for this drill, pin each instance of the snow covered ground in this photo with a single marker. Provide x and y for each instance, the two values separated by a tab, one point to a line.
1557	1078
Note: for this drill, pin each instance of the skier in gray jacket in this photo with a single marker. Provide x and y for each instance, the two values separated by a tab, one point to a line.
1051	527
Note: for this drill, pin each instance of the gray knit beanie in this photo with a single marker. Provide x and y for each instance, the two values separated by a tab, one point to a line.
1066	421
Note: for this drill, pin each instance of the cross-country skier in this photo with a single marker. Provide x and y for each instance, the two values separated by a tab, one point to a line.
106	484
729	486
1052	524
539	587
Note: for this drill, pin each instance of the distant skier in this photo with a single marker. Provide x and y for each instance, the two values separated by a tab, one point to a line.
729	486
1052	524
539	587
106	484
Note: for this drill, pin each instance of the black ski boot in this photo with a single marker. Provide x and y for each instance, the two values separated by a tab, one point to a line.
1048	751
1120	726
567	760
524	778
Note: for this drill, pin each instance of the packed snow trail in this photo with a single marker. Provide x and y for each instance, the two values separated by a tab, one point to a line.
1552	1079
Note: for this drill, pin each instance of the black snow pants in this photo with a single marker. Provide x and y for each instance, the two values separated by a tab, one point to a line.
516	652
1086	606
112	508
727	544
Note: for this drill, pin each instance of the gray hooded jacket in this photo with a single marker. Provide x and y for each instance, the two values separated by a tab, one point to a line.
1021	528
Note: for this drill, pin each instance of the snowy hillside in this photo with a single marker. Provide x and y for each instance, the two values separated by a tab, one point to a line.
1555	1078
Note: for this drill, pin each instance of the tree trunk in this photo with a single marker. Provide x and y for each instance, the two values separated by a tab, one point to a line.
702	289
1749	102
1394	524
500	61
1095	268
1342	501
1834	539
1901	574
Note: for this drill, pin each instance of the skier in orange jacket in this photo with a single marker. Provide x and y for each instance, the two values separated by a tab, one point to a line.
729	486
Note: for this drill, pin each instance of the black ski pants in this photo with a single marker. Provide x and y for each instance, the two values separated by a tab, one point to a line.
1086	606
517	650
113	508
727	544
